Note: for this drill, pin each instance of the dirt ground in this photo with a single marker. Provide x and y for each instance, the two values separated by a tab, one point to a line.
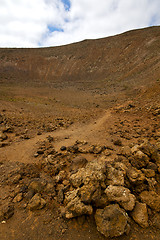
32	116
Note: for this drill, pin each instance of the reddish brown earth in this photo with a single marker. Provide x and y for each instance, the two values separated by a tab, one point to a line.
95	91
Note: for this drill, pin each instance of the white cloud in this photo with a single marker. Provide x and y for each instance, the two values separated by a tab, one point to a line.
26	23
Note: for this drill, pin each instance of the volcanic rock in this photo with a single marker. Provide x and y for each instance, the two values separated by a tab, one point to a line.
156	220
36	202
121	195
112	221
3	136
140	214
78	162
151	151
94	171
116	173
135	176
6	211
152	199
90	193
75	207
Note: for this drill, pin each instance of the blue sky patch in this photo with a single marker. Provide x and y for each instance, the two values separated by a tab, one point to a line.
153	20
67	4
55	29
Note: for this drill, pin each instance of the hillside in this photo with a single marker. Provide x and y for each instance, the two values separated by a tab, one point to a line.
132	56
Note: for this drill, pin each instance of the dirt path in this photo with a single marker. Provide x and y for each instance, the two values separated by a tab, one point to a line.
24	151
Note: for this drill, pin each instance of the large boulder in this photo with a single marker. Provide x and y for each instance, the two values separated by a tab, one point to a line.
140	214
112	221
152	199
94	171
122	196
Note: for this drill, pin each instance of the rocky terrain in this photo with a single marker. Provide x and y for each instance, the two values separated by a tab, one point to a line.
80	140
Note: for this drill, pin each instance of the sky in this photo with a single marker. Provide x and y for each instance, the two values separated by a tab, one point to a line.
44	23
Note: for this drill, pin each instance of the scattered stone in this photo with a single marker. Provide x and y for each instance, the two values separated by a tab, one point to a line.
60	177
121	195
125	151
50	188
6	211
14	179
152	166
8	129
1	119
140	214
4	144
60	196
156	220
18	198
36	155
112	221
39	133
73	149
3	136
149	173
29	194
36	203
63	148
152	199
158	144
66	182
107	152
135	176
118	142
151	151
50	139
140	160
134	149
152	183
40	151
37	185
78	162
97	149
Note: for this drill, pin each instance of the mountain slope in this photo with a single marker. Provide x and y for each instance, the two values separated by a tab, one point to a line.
120	61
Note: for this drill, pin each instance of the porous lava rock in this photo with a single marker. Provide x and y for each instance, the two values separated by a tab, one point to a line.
140	214
75	207
122	196
112	221
94	171
36	202
6	211
152	199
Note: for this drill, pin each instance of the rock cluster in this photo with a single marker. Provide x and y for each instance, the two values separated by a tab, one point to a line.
117	190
